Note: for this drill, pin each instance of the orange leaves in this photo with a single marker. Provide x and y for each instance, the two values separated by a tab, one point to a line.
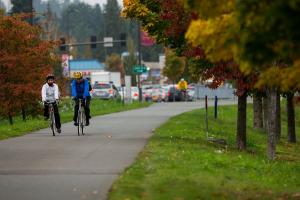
126	3
133	8
24	61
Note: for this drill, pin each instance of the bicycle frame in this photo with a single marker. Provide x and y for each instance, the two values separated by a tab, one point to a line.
183	94
81	117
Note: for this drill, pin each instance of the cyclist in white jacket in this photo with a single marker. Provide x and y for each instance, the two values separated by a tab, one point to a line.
50	94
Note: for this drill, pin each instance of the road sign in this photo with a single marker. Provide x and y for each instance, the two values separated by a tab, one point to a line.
108	42
139	69
65	64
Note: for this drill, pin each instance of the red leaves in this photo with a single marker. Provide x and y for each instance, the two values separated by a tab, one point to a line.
178	19
193	52
24	61
230	71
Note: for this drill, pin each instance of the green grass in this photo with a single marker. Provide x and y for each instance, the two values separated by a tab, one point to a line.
178	163
98	107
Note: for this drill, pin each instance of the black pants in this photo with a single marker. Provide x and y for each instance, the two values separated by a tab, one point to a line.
86	104
56	114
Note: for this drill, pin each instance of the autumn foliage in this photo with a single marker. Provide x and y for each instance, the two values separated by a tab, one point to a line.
24	62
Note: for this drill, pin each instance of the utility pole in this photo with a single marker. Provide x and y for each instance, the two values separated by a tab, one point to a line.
140	61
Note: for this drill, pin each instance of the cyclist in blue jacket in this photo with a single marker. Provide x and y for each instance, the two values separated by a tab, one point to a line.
80	90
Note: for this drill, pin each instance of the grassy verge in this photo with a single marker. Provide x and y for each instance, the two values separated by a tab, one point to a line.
178	163
98	107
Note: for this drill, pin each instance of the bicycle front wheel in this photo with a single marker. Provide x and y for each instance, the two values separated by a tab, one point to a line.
78	122
52	123
82	122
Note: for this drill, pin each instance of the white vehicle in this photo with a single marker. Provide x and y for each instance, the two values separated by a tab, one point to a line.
106	77
135	93
104	91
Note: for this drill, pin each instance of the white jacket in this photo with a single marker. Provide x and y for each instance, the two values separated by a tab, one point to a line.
50	93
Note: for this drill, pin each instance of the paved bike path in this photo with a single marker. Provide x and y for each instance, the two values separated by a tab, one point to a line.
39	166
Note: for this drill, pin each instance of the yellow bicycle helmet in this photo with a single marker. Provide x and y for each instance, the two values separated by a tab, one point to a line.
77	75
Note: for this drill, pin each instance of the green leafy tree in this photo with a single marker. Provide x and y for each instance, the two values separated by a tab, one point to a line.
114	64
98	24
50	25
114	24
169	22
80	21
267	45
174	66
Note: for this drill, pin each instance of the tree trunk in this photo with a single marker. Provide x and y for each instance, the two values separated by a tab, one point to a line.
241	123
257	112
10	119
265	109
278	117
272	119
291	118
23	114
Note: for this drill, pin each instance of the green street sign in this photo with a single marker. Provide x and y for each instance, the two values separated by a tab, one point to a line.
139	69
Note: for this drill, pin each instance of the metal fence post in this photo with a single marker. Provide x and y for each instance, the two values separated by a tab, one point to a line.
206	116
216	107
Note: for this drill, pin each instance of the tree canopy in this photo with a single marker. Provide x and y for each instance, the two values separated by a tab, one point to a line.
24	62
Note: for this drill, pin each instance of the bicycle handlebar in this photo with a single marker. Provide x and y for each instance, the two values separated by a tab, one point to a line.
51	102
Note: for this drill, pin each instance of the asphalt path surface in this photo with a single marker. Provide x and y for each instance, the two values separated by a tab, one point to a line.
38	166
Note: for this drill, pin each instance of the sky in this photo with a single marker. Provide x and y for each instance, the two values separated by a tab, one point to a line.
92	2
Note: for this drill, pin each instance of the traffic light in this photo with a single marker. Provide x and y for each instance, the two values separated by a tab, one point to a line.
123	39
93	42
62	46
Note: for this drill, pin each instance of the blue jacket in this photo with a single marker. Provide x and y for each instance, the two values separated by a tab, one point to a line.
83	86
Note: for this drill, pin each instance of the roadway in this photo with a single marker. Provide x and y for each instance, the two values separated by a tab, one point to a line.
70	167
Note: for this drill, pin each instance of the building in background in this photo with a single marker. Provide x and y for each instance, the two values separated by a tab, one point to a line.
86	67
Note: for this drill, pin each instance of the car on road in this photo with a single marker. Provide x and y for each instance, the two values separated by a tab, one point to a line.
147	92
135	93
164	93
191	93
104	91
156	95
174	94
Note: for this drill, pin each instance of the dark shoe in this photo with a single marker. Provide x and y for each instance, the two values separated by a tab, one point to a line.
87	123
46	118
59	130
90	117
75	124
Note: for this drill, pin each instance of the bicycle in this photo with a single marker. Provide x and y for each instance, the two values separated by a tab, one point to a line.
183	95
52	123
81	119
